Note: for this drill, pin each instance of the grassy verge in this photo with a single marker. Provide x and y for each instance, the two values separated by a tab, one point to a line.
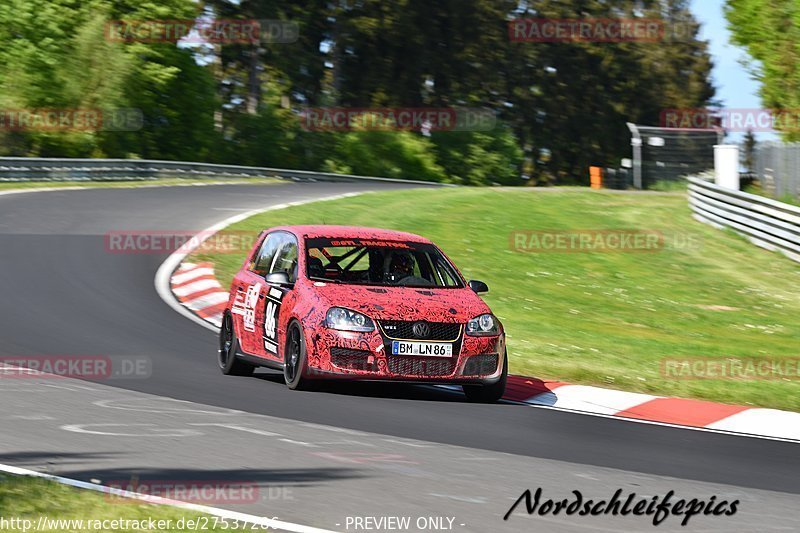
670	186
607	319
23	498
24	185
786	198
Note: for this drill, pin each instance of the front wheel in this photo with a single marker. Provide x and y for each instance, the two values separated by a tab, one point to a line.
294	359
488	393
228	346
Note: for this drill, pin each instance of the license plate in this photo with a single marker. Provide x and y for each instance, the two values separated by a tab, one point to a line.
422	349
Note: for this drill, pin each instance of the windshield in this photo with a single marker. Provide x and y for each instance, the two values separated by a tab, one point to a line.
378	262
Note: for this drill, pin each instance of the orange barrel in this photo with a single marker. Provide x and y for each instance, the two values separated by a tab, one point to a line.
596	177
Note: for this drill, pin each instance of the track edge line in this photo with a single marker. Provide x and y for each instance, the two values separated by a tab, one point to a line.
277	525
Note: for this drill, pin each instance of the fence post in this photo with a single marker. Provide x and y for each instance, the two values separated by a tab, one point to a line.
726	166
636	143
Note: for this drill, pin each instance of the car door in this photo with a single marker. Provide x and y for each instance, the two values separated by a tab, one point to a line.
251	293
273	325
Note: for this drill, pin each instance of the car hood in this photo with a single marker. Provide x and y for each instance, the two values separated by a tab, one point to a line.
405	303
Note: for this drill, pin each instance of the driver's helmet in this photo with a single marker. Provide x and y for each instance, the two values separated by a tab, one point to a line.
402	265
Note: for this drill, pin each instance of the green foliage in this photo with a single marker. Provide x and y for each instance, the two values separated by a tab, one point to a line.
31	498
391	154
770	32
561	107
58	57
268	137
178	101
479	158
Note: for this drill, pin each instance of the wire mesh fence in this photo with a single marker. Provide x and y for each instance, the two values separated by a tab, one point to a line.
777	166
671	154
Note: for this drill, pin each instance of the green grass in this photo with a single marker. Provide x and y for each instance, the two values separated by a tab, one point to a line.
605	319
31	498
756	189
160	182
670	186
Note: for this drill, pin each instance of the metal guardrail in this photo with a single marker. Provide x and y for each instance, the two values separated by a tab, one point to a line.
53	169
765	222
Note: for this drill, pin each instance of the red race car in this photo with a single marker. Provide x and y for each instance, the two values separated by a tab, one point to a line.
336	302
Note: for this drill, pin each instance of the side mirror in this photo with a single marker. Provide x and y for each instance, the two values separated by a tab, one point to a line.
278	278
478	287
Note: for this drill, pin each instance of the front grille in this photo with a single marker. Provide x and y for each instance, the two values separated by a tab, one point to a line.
349	359
439	331
416	366
481	365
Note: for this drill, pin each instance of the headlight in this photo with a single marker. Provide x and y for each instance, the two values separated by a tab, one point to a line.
482	326
347	320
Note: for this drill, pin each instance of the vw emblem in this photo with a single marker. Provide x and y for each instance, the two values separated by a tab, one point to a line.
421	330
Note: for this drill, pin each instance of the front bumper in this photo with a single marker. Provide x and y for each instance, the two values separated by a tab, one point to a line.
367	356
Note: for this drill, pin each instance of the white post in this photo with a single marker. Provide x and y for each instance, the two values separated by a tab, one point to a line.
636	142
726	166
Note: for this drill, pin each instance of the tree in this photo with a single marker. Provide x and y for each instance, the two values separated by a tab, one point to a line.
571	101
479	158
770	32
55	54
564	104
384	152
749	153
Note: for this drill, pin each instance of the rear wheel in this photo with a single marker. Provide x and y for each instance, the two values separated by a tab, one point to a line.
295	360
228	346
488	393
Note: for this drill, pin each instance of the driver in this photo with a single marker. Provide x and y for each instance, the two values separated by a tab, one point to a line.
401	271
401	266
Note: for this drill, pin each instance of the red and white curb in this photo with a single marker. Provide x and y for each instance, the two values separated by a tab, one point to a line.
193	290
196	288
712	416
173	264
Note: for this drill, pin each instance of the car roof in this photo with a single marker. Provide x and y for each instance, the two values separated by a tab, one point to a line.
351	232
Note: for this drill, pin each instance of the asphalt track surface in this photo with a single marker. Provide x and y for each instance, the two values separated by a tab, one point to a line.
63	293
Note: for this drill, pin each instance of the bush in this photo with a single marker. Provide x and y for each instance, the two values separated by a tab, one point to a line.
479	158
391	154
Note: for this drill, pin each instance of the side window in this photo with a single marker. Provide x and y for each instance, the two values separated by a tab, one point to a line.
267	253
445	273
286	259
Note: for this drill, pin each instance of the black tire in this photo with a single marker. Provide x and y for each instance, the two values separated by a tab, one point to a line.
228	346
488	393
294	359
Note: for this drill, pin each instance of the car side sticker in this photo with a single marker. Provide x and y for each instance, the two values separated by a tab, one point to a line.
271	312
245	305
